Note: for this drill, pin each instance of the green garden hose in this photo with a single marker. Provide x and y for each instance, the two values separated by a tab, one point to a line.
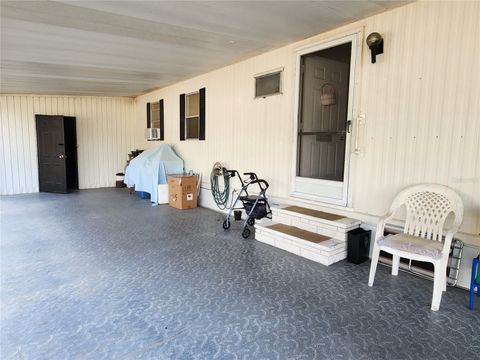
220	196
478	272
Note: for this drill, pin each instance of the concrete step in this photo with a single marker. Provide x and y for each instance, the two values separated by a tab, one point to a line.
322	249
332	225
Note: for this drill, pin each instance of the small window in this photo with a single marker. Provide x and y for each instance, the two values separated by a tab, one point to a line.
192	115
268	84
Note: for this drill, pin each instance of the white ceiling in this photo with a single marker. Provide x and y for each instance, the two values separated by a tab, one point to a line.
126	48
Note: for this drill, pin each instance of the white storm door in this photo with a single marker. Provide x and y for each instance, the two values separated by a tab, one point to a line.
323	131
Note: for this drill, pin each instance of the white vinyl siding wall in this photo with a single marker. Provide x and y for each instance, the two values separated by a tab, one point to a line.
421	101
105	128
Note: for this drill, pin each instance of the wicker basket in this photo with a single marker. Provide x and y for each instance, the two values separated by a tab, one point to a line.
327	95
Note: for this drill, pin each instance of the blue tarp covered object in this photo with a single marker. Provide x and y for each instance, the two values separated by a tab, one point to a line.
151	168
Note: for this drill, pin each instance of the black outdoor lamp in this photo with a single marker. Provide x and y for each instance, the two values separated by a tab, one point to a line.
375	44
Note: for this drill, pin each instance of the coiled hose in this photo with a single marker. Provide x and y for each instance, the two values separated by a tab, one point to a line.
220	196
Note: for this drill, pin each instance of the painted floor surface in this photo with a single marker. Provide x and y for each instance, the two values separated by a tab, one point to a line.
100	274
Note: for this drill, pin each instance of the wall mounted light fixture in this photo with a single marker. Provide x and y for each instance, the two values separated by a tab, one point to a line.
375	44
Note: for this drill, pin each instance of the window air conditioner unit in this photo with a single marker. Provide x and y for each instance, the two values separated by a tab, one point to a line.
152	134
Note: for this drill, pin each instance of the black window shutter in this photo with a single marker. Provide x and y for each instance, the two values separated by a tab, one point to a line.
148	116
182	117
201	125
162	134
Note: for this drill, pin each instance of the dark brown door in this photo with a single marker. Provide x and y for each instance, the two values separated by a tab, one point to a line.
51	153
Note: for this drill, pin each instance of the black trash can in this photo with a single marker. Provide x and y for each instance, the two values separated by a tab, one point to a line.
237	215
358	245
119	180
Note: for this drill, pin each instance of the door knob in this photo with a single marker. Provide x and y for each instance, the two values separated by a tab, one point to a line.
62	156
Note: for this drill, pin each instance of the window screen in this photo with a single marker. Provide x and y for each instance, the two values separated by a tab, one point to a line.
192	116
268	84
192	128
155	115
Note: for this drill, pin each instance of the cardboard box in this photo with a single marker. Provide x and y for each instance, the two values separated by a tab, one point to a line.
182	191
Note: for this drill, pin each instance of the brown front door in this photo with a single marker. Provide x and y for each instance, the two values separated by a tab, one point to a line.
51	153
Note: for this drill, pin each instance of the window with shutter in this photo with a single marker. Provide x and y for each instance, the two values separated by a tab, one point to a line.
192	115
155	117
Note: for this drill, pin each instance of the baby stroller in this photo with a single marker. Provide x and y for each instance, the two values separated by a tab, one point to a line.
255	206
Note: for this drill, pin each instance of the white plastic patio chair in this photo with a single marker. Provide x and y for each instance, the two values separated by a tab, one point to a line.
427	208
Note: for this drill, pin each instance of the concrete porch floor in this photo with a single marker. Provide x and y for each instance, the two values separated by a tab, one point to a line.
100	274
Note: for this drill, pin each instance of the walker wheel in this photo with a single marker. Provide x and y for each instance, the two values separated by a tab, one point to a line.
251	221
246	233
226	225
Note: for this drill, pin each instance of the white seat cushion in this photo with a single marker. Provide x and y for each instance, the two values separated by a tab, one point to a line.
412	244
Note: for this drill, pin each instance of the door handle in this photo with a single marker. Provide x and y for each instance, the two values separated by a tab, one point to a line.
360	121
62	156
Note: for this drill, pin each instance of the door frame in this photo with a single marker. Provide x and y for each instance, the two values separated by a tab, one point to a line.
40	120
355	38
69	143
